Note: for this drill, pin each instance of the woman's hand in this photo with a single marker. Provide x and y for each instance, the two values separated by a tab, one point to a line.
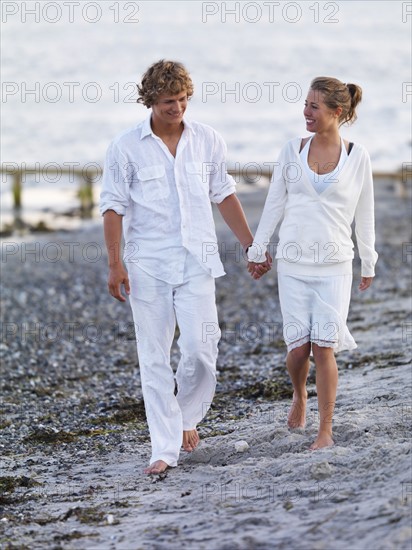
257	270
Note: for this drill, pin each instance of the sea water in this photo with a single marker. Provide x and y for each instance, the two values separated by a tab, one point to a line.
69	73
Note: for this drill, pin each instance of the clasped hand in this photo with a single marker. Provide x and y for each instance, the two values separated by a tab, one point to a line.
258	270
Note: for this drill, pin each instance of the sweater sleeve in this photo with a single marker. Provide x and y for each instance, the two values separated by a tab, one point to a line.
365	223
272	212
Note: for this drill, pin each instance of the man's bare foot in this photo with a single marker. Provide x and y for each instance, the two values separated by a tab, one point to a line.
157	467
190	440
297	413
324	439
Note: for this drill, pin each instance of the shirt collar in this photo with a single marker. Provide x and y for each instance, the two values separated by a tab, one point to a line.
147	129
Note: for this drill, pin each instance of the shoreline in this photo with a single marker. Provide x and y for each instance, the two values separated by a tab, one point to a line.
28	221
75	441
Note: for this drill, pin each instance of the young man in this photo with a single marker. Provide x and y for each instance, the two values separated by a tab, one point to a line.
159	180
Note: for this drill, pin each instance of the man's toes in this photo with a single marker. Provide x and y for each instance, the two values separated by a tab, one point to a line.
157	467
190	440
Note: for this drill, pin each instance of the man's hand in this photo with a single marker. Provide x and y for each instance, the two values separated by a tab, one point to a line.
117	277
258	270
365	283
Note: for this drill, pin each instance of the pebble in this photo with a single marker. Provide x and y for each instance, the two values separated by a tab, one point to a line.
241	446
321	470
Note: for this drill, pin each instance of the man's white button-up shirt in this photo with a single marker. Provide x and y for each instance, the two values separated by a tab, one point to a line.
166	200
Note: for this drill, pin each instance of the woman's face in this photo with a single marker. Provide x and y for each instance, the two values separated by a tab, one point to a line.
319	118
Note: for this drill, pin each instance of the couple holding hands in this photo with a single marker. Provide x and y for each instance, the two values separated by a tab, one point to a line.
157	193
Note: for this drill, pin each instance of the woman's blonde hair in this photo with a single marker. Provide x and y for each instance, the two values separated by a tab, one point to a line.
338	94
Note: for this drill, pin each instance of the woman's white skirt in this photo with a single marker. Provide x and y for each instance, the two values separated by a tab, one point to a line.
315	309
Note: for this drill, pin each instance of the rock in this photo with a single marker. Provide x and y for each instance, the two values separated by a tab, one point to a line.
110	519
241	446
321	470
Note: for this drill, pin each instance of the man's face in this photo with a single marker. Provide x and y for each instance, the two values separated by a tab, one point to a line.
169	109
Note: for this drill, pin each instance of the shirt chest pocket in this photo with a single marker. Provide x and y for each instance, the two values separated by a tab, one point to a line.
153	182
197	179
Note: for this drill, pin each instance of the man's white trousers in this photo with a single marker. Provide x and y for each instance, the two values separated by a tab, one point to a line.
156	306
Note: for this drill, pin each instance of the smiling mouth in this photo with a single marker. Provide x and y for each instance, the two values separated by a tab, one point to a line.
309	121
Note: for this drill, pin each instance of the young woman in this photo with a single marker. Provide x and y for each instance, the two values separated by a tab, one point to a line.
320	185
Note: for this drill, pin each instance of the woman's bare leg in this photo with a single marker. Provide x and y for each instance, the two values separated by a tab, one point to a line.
297	363
326	385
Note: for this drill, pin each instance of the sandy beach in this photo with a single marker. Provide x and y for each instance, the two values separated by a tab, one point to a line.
74	440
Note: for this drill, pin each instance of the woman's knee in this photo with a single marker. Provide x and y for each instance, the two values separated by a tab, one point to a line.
322	353
300	353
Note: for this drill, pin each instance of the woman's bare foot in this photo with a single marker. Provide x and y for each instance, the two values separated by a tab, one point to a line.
324	439
190	440
297	413
157	467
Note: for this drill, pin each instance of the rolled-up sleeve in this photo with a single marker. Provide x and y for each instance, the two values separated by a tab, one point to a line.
221	184
115	192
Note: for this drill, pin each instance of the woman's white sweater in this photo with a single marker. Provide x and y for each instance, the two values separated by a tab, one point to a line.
315	237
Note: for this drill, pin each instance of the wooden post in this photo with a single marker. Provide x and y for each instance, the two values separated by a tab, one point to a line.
86	195
16	189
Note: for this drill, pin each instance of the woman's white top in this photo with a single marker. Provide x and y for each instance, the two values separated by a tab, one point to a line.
315	237
321	181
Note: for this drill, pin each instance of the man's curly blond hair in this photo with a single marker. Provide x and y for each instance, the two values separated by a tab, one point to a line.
164	77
